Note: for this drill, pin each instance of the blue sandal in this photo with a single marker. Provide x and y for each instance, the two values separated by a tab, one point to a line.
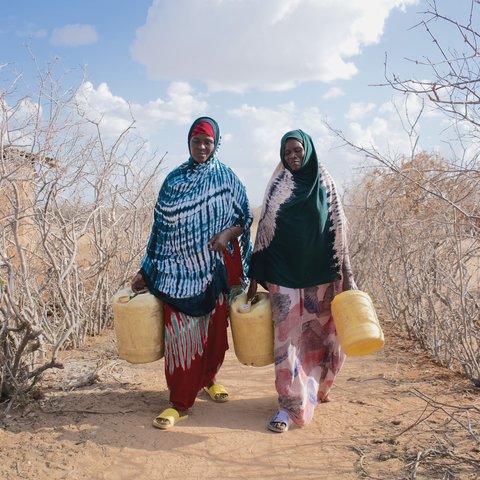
280	422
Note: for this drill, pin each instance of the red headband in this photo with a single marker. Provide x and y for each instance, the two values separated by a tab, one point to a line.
202	128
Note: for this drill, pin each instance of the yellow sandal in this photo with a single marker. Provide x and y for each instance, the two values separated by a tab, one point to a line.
217	393
170	417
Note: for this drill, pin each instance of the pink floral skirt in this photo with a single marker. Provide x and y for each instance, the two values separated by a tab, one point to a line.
307	351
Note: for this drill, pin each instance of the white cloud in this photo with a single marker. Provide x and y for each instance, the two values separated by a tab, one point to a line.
19	121
367	136
251	141
271	45
359	110
74	35
182	103
255	150
39	33
388	136
114	113
251	134
398	127
334	92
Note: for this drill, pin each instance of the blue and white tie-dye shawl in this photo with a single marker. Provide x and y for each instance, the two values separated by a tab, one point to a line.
195	202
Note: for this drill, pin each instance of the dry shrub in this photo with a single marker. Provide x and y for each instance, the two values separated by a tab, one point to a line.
416	248
75	210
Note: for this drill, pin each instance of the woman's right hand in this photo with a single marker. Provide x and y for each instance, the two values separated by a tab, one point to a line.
138	283
252	290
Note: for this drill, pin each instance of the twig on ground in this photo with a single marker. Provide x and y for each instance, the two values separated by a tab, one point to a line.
362	467
89	412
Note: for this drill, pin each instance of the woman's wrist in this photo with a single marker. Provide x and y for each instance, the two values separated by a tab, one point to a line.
235	231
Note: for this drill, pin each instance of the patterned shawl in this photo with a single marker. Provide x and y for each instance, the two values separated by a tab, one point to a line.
195	202
301	238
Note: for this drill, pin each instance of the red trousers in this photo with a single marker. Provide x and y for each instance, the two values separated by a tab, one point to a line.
195	346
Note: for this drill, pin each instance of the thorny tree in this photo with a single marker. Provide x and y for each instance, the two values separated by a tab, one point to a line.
75	209
417	216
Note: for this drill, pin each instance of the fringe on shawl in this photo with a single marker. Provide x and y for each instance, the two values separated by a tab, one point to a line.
338	225
279	190
338	220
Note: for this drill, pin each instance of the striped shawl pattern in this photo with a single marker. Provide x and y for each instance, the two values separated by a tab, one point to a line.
195	202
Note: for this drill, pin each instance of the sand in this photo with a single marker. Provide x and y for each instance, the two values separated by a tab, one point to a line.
374	427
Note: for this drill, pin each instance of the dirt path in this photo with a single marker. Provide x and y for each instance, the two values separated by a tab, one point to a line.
103	431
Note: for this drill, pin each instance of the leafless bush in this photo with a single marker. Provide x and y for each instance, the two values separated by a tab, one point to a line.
448	457
75	211
420	257
453	71
416	217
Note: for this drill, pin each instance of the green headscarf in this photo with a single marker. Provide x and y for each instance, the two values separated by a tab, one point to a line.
300	234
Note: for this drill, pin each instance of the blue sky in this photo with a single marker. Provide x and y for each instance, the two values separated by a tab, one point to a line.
260	67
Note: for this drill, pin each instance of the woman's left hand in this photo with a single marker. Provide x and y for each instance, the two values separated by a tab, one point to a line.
219	242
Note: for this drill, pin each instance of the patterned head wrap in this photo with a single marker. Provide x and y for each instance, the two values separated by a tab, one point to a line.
202	125
200	128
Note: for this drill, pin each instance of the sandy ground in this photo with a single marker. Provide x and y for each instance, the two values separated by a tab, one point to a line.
376	426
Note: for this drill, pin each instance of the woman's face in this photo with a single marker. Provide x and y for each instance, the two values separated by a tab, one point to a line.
201	147
294	154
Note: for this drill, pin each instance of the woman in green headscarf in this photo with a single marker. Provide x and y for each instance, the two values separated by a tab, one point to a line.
301	258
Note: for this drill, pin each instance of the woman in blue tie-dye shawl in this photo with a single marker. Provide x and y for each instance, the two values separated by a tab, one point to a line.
198	249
